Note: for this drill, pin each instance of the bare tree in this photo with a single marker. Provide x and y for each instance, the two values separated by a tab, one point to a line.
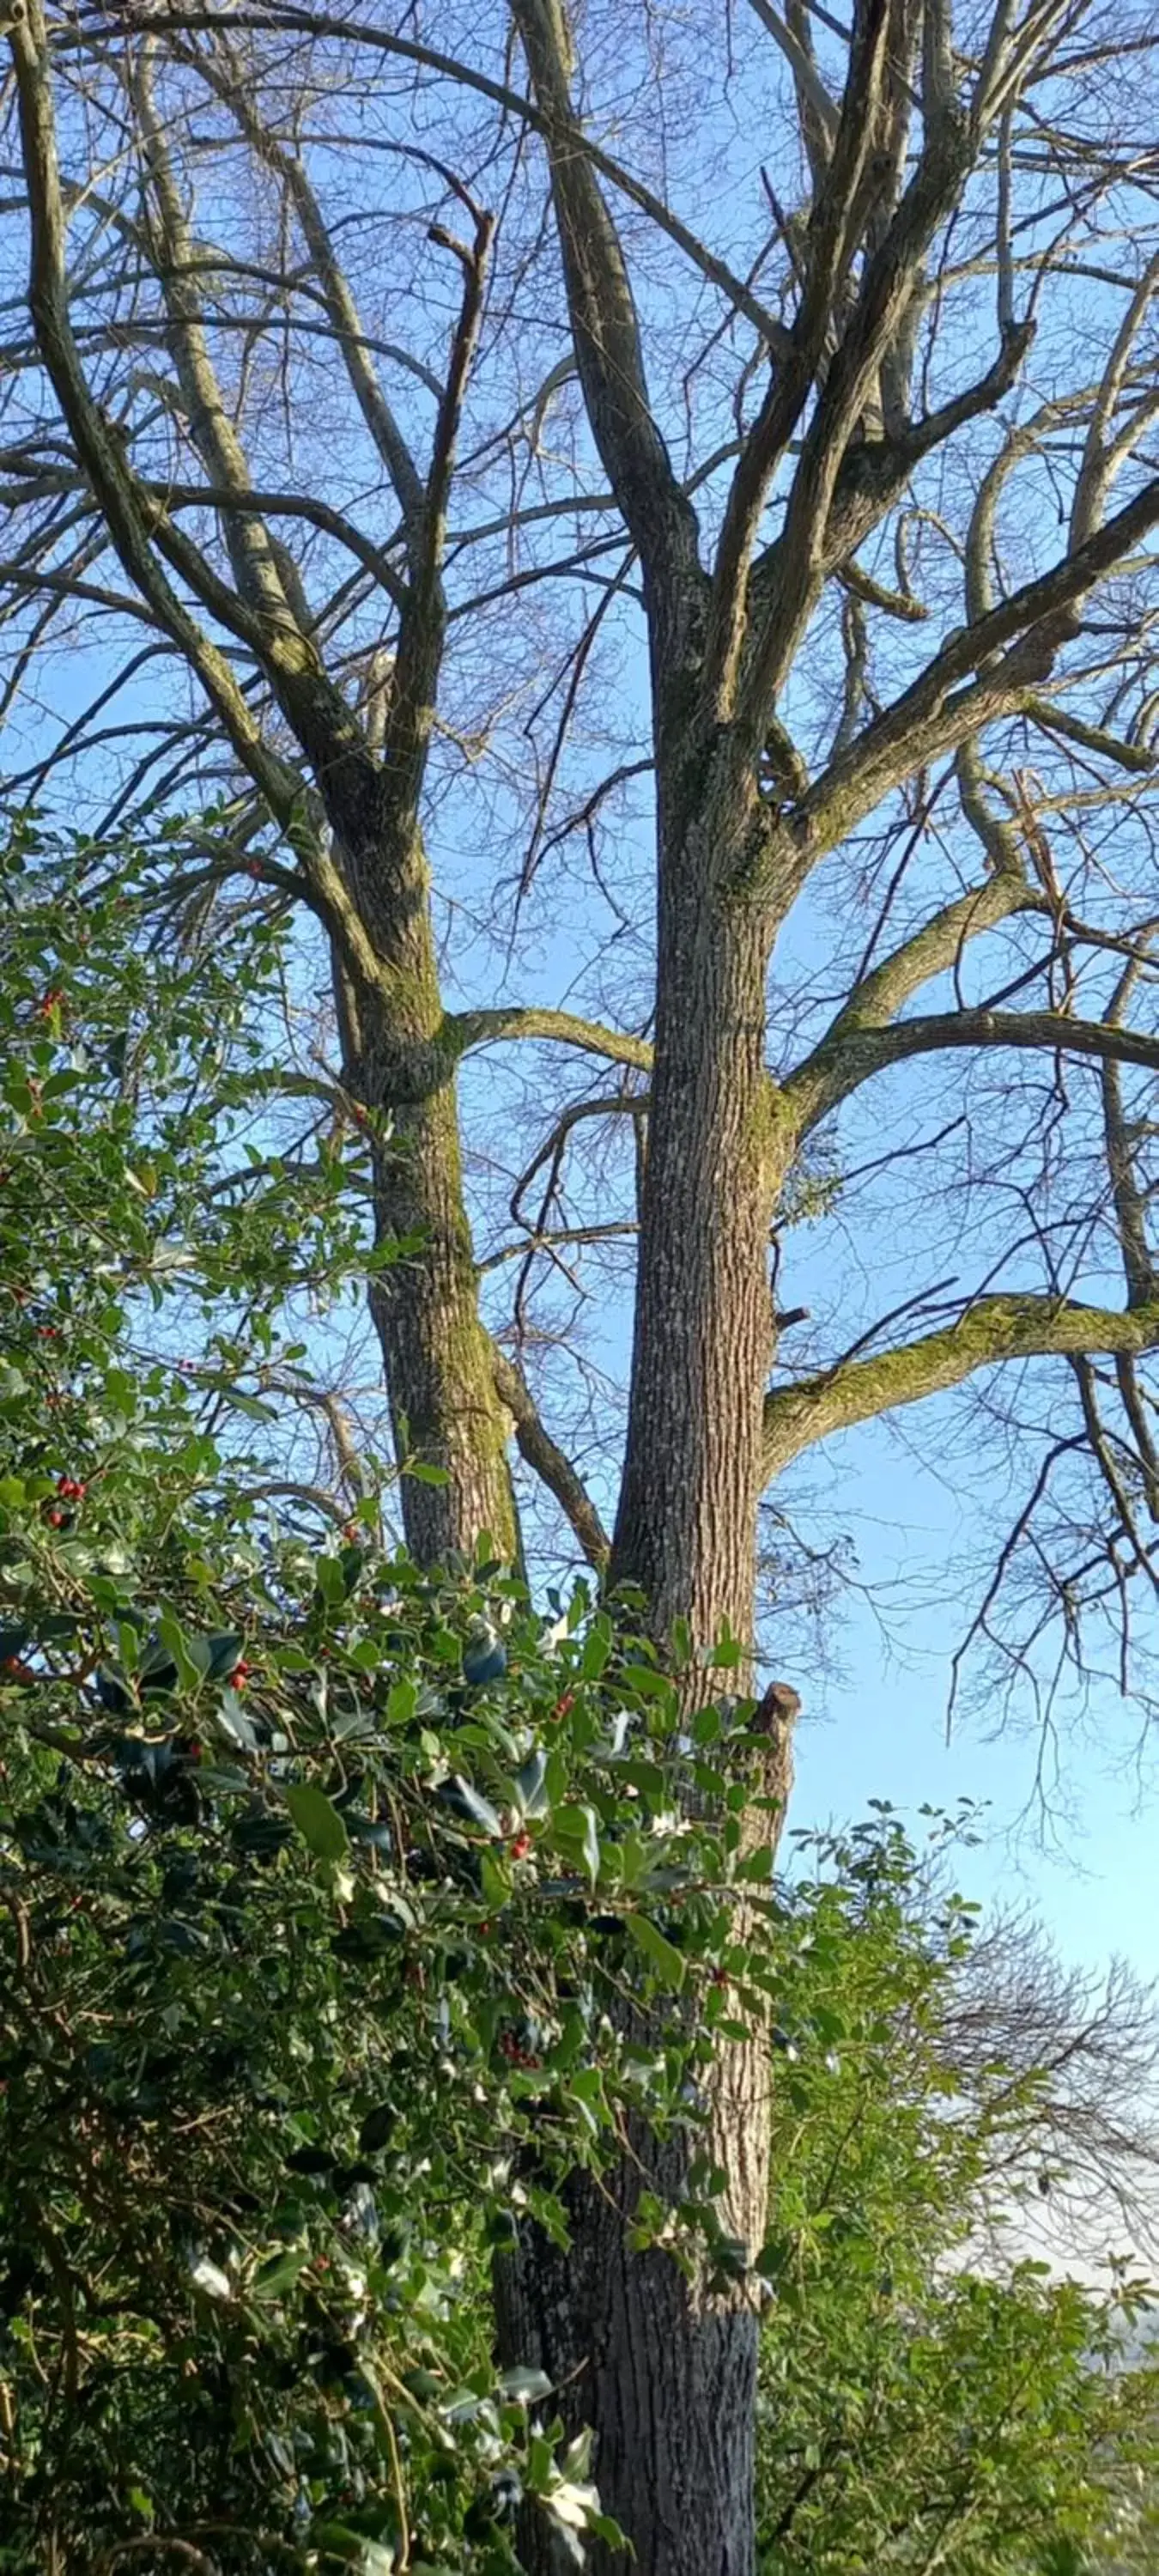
425	483
1063	2063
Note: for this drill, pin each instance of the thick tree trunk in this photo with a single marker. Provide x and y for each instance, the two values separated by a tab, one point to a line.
663	2372
670	2387
664	2369
686	1527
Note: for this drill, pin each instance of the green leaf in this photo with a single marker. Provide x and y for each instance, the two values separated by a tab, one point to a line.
279	2273
666	1962
171	1638
597	1647
493	1883
250	1405
458	1793
578	1828
318	1821
530	1782
215	1656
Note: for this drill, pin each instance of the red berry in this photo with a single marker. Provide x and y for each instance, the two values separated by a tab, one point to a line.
565	1705
520	1847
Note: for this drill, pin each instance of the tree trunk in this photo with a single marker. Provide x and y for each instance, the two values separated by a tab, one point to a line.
664	2369
443	1404
445	1411
669	2386
686	1527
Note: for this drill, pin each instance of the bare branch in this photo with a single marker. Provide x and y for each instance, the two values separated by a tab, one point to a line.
497	1027
660	518
938	712
992	1330
554	1470
845	1062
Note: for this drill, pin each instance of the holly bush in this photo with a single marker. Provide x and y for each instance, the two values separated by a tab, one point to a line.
320	1875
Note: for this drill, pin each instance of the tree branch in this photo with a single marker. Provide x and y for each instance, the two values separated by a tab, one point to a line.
422	626
840	1062
862	1052
537	1447
937	713
830	245
465	1030
109	475
376	412
659	516
995	1329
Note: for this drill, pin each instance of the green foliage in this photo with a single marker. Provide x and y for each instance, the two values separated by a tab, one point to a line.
925	2403
307	1947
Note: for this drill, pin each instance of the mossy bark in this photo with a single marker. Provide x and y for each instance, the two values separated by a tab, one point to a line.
400	1064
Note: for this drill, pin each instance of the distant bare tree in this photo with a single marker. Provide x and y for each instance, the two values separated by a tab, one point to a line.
351	376
1067	2059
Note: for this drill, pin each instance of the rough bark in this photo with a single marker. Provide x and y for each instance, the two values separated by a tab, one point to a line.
399	1062
669	2385
440	1378
686	1524
664	2370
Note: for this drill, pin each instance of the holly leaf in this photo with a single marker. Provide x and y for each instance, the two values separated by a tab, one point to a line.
663	1958
318	1821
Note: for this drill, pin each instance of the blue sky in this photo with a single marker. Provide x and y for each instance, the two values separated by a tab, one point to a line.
1089	1865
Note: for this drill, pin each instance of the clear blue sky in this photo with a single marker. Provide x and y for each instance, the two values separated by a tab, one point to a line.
1090	1867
